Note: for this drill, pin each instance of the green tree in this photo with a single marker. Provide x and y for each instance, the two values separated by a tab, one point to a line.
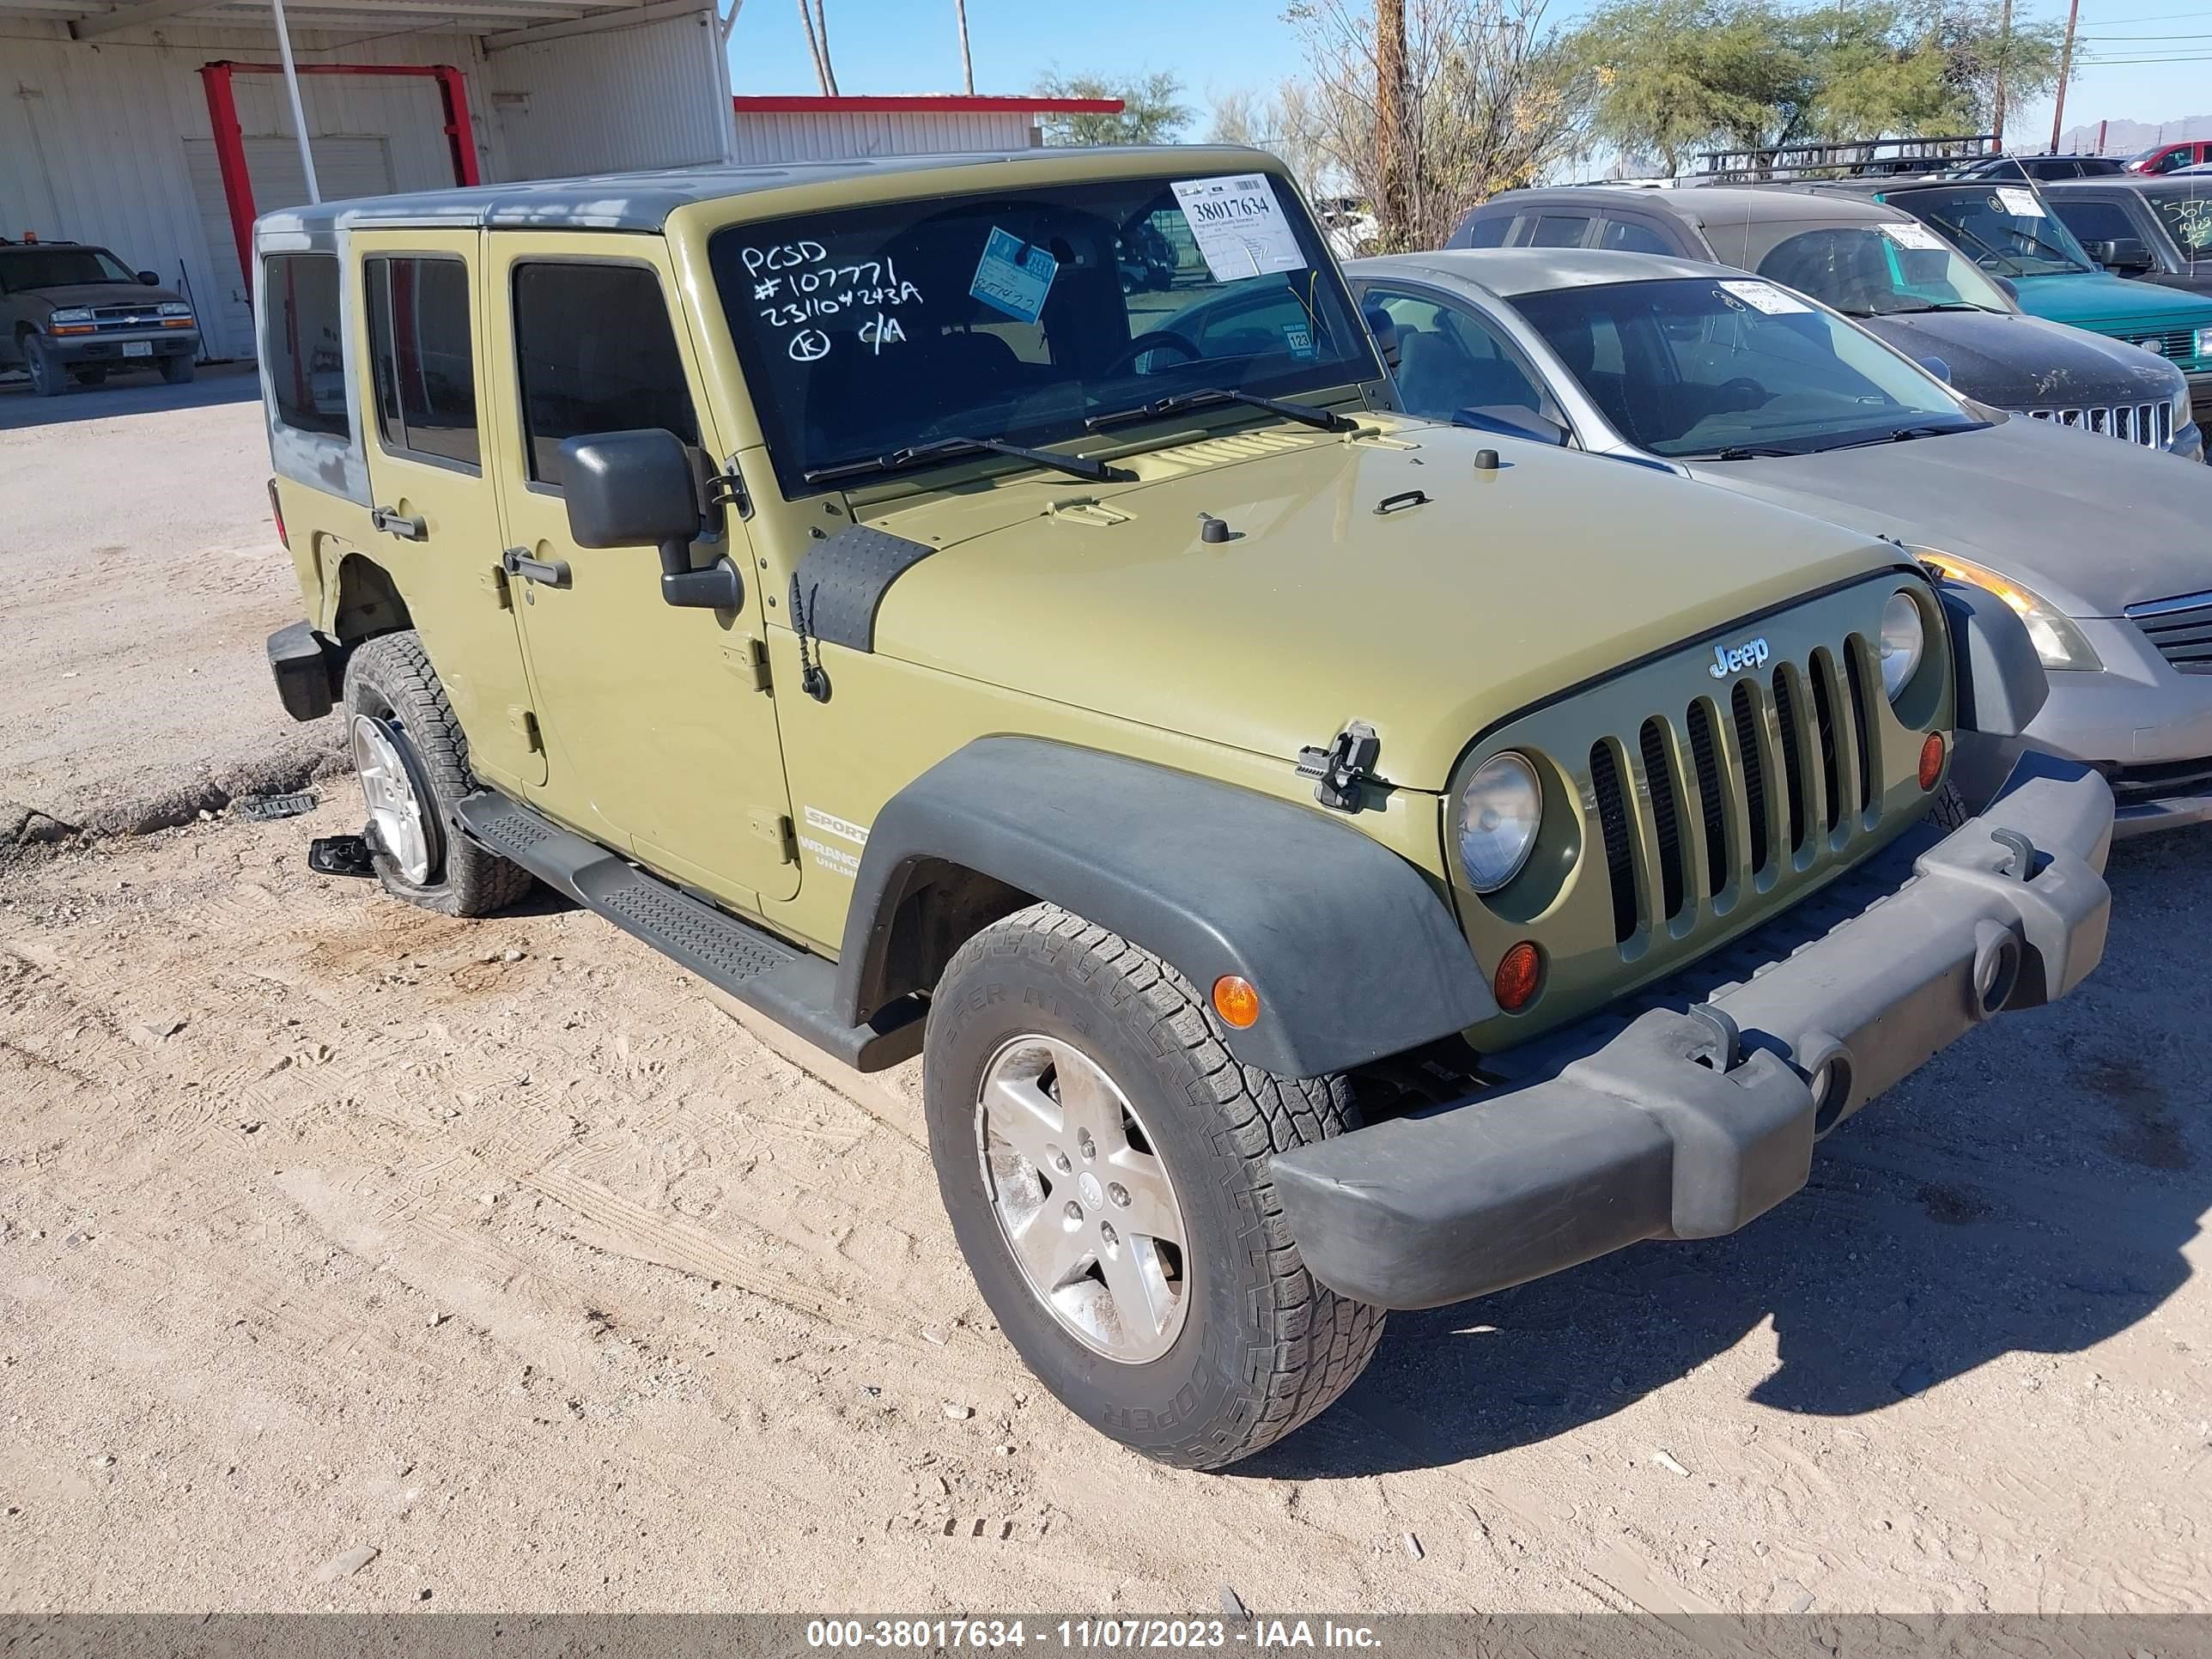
1152	112
1666	78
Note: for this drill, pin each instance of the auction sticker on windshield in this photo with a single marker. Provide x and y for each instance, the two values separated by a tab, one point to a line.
1762	296
1014	276
1239	226
1913	233
2021	204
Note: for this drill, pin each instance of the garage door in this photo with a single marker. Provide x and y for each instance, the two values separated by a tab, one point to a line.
345	168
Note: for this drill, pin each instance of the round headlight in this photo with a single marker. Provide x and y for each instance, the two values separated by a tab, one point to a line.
1904	637
1498	812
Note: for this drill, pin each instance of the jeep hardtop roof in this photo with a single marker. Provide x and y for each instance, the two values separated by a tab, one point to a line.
643	201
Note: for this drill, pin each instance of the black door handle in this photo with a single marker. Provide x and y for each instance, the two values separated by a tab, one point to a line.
552	574
394	523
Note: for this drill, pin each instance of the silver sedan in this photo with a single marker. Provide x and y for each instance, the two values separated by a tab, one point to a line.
2104	549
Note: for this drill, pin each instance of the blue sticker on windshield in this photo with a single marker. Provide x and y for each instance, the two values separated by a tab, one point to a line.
1014	276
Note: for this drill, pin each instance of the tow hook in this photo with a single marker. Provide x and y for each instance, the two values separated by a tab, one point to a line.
2020	858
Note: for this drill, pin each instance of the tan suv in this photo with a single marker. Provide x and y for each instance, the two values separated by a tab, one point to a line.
1328	861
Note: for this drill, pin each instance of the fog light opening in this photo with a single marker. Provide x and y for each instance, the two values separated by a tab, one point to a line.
1996	971
1931	760
1520	974
1831	1091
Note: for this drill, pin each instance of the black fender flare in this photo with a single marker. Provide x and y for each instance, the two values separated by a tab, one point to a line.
2001	685
1354	953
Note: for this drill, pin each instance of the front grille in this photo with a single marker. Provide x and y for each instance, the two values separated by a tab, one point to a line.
2181	629
1756	786
2148	424
2179	343
118	319
2137	785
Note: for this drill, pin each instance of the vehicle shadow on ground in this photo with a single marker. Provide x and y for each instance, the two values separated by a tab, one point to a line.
2029	1191
138	392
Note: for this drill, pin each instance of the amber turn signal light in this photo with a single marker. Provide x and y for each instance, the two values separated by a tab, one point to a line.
1520	971
1931	760
1236	1001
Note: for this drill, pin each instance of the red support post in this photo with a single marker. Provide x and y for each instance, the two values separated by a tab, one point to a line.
230	161
459	133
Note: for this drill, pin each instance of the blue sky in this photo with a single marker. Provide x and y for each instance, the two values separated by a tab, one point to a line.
1213	46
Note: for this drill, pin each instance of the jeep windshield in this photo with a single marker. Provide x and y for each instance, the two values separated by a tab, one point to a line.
1704	369
22	269
1873	270
1030	317
2005	228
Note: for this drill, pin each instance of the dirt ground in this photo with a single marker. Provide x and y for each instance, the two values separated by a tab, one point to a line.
351	1257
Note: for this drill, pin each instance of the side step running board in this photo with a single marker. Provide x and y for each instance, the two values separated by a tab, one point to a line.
792	988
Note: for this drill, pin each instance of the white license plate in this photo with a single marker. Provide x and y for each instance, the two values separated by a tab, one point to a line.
137	348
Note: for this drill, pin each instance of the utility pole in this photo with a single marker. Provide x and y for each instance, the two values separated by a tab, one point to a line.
2065	69
2004	55
1390	212
967	64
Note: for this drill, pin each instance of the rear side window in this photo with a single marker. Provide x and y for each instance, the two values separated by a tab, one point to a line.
1626	236
422	356
596	354
2094	221
1491	231
302	351
1560	230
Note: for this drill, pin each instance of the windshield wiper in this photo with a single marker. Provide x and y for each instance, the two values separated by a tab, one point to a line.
1327	420
1938	305
1748	452
945	449
1898	434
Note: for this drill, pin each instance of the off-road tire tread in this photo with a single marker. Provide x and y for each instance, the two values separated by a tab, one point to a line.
1318	1342
474	881
1947	808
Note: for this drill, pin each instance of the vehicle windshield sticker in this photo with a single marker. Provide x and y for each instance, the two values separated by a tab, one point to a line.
1239	226
1912	234
1765	296
1014	276
2021	204
1299	338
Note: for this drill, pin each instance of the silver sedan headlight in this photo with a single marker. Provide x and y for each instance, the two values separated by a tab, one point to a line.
1903	638
1499	811
2058	643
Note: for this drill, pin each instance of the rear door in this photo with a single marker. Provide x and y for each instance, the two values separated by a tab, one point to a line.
420	323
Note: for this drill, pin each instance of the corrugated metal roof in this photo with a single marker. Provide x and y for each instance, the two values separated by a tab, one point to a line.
520	20
643	201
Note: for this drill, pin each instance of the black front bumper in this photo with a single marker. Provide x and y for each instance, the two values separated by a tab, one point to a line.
1699	1113
88	350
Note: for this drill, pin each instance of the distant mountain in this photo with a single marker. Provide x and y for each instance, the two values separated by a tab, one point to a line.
2127	137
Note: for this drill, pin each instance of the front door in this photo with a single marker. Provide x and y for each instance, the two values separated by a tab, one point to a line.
658	728
422	325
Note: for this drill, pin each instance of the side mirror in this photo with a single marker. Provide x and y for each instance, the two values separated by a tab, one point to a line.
151	278
2007	286
1937	367
1514	421
1386	334
637	489
2122	253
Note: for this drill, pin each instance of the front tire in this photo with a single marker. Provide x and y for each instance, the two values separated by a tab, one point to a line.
412	760
180	368
48	378
1104	1162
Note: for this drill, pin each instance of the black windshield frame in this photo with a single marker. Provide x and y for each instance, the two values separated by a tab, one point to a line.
1116	278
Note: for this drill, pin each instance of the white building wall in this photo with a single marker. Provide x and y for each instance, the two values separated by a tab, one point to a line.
764	137
610	102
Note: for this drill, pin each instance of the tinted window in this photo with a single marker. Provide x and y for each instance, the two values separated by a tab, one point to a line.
1560	230
59	267
596	355
2095	221
1490	232
302	352
1873	270
1450	360
2170	160
2002	227
420	350
1626	236
1699	367
1024	314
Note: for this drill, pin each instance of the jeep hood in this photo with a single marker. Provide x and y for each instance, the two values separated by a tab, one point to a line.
2092	524
1431	622
2018	362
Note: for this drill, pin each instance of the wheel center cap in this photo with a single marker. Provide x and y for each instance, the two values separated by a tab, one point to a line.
1094	1195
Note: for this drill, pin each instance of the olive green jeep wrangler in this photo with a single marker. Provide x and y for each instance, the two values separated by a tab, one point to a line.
1327	861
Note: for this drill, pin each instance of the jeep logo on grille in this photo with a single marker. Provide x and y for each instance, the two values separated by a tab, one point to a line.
1752	654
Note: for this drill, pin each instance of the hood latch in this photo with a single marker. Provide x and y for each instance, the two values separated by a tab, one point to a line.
1341	768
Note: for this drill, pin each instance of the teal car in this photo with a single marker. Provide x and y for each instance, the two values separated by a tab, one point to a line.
2010	232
